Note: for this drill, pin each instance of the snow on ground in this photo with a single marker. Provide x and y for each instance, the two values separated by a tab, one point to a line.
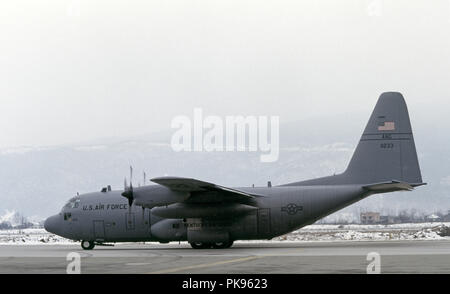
312	233
412	226
31	237
412	231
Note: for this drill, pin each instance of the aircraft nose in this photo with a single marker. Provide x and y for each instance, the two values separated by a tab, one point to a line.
51	224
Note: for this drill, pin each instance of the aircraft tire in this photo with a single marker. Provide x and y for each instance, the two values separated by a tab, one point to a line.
87	245
200	245
222	245
229	244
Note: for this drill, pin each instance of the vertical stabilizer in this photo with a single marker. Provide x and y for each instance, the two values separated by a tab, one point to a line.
386	150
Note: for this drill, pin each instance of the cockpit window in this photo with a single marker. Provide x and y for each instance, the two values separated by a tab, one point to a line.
73	203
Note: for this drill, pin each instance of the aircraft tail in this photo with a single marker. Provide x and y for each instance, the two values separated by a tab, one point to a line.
386	151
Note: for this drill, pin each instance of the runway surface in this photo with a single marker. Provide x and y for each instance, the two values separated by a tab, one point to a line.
242	258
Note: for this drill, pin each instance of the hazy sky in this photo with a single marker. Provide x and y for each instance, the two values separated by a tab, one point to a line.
79	70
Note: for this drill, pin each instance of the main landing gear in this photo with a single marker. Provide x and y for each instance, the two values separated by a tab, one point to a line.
89	245
216	245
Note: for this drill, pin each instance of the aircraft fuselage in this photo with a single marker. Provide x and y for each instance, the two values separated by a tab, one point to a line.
206	214
106	217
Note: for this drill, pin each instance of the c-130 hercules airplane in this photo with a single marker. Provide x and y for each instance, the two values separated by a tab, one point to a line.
208	215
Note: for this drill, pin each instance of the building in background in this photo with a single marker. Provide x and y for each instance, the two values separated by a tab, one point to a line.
433	218
446	218
370	218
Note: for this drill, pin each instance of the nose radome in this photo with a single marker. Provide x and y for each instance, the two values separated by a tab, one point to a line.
51	224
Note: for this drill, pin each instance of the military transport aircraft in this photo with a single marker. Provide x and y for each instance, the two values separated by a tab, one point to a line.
211	216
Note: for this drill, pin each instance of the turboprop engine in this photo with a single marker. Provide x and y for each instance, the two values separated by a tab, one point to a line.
153	196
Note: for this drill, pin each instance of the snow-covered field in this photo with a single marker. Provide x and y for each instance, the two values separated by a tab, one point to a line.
312	233
412	231
31	237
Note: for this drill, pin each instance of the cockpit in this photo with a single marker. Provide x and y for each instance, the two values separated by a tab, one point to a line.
72	203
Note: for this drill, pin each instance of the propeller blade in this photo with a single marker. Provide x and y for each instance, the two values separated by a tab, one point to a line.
128	191
131	177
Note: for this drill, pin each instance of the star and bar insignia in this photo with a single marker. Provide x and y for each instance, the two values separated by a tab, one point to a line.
292	209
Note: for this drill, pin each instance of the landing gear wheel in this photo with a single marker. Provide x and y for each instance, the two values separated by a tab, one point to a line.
87	245
200	245
222	245
229	244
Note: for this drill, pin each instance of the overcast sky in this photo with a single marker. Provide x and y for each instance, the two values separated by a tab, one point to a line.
79	70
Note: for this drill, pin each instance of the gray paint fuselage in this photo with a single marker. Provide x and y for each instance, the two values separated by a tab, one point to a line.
106	217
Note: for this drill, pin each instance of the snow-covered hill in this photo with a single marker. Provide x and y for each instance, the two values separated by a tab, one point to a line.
38	181
13	219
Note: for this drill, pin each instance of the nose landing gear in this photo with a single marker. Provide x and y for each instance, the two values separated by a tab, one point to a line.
87	245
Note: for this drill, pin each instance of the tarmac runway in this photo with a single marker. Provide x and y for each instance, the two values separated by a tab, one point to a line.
242	258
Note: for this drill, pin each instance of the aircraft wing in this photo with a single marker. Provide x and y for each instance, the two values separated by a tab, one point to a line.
201	191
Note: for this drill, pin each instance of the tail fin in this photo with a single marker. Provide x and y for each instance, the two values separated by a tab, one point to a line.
386	150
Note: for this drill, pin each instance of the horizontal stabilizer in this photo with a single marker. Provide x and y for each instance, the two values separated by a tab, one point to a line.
391	187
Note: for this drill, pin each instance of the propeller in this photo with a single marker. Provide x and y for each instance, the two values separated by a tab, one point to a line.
128	191
143	208
129	194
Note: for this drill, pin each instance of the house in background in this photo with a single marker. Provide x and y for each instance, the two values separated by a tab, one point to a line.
433	218
370	218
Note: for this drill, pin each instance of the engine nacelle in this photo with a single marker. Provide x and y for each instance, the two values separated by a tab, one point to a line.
153	196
